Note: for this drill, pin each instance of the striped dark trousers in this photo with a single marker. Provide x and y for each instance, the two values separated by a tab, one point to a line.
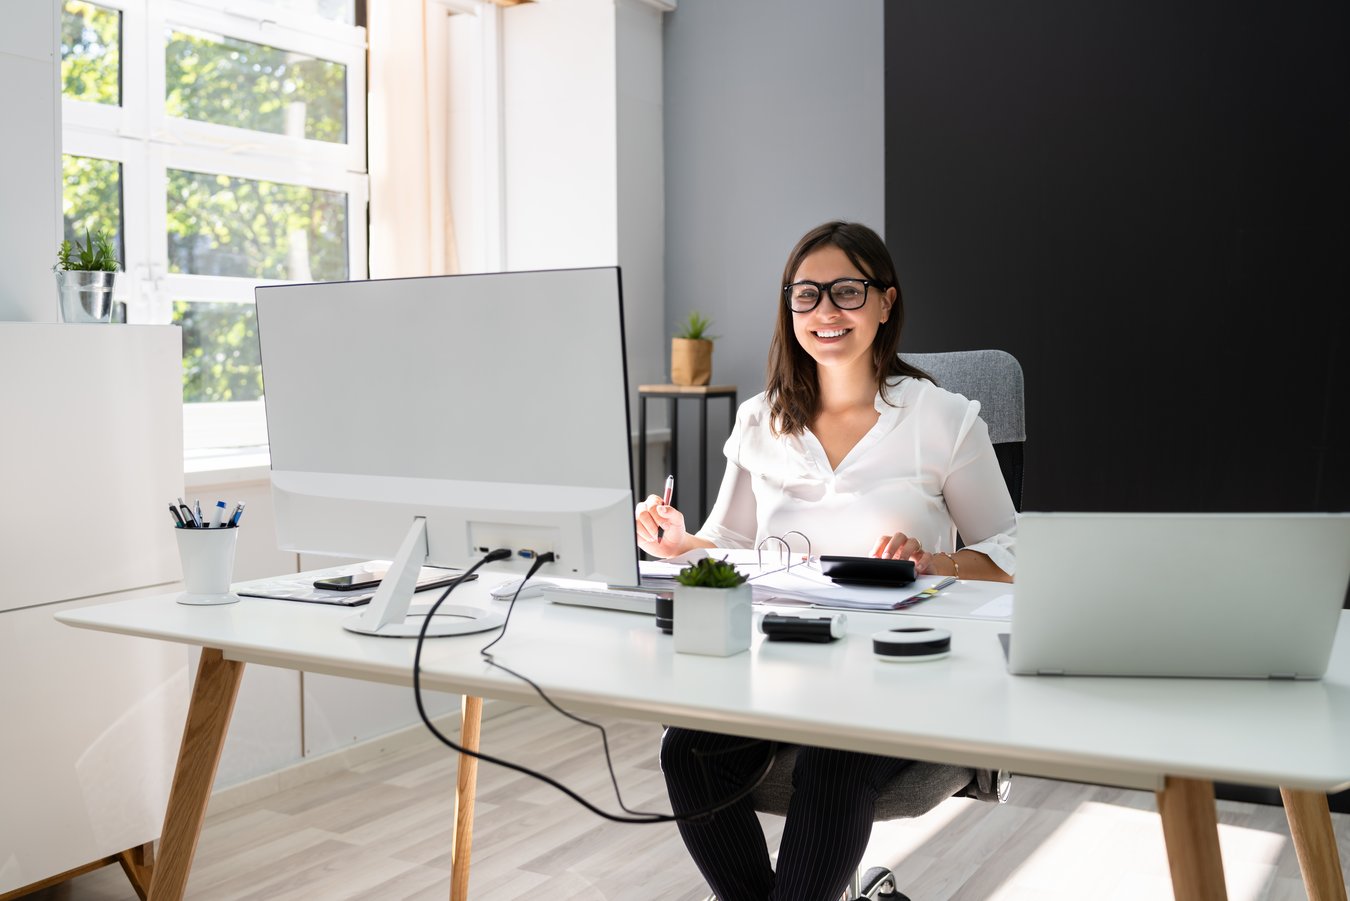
828	823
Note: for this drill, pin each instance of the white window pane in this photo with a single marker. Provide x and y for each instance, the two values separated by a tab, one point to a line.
91	53
227	81
247	228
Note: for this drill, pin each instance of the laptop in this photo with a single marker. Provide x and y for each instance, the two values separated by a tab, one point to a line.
1243	595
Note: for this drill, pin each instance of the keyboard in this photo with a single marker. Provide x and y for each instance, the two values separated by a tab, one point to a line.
628	600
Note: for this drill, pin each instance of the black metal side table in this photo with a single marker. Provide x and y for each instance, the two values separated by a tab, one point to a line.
674	394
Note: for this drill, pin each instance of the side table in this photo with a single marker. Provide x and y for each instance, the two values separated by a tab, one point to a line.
674	394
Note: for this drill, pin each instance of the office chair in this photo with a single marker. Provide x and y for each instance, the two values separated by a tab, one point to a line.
994	378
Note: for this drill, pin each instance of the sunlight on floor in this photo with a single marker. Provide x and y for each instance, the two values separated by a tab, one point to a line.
1120	852
895	840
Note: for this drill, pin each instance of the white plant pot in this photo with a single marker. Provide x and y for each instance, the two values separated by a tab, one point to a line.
712	621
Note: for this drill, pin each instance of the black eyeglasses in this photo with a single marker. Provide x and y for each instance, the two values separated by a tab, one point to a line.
845	293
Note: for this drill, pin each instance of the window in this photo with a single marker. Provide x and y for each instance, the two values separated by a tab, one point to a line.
223	150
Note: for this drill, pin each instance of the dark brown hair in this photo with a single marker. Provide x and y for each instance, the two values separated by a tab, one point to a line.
793	391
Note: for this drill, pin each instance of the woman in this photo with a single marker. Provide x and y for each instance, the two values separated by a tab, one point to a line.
862	453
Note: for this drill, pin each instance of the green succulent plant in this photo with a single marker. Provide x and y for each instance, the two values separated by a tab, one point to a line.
696	328
96	254
710	573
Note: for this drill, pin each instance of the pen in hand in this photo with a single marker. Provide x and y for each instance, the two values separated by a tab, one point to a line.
665	501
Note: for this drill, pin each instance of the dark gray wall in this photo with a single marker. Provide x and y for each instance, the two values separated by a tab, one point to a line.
773	124
1145	202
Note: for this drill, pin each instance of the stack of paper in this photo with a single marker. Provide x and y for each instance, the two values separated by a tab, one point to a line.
802	583
805	583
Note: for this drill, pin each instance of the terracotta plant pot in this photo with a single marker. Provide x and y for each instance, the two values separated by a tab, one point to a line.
690	361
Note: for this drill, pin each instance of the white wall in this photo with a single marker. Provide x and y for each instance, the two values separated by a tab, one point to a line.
582	154
30	161
558	71
756	92
641	204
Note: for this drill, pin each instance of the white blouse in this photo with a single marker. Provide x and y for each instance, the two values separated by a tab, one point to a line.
926	468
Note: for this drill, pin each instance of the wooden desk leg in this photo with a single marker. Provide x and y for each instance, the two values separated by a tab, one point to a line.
139	865
472	720
1191	831
208	718
1315	844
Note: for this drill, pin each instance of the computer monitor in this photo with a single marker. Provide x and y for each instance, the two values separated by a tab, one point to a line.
430	420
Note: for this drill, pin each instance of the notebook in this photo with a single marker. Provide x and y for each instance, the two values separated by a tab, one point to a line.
1206	595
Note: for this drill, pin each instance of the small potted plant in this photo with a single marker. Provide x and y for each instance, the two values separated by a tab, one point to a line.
691	352
712	609
86	274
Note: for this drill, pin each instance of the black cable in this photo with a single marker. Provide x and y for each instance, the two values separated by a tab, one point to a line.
638	817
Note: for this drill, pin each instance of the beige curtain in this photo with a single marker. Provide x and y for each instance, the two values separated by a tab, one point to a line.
411	232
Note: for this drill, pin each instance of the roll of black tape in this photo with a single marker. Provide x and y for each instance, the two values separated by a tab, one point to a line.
913	644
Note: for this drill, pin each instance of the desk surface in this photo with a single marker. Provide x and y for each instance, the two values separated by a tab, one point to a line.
963	709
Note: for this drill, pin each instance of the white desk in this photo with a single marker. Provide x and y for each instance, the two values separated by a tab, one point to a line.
1170	736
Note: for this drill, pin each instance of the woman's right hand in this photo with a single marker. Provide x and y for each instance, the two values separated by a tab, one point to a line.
654	514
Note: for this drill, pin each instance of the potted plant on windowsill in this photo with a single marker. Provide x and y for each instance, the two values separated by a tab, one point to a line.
712	609
86	275
691	352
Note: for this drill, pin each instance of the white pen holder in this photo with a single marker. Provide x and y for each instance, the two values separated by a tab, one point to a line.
207	556
712	621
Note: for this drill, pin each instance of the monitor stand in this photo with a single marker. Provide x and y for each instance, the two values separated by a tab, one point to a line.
387	613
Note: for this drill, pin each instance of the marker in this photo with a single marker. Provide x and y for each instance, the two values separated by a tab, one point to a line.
670	491
238	512
218	515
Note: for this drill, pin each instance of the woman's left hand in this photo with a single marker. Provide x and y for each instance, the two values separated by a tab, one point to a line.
903	547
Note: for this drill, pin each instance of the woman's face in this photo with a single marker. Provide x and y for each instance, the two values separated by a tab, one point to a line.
835	337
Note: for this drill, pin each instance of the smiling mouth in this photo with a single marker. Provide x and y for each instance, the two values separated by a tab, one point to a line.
832	333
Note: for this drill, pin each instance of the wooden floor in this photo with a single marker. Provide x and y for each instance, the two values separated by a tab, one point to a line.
382	831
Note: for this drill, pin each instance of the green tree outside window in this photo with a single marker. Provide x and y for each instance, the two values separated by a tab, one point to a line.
91	53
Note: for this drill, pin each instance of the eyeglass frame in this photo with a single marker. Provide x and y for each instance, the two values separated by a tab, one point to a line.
826	289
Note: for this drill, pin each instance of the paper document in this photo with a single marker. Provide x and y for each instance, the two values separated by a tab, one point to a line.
806	586
806	583
999	608
659	569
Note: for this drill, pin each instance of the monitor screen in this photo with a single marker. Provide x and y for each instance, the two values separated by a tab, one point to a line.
493	408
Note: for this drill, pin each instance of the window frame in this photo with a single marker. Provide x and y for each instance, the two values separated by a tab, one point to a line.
147	142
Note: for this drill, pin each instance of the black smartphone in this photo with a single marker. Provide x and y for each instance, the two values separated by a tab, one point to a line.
428	578
874	572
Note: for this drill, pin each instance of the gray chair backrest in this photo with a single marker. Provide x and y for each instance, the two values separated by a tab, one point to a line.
994	378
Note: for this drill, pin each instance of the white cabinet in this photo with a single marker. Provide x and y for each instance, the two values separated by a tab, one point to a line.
91	454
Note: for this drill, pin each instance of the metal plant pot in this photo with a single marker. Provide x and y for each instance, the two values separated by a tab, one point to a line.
85	296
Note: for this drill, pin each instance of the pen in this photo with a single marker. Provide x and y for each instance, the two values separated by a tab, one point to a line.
927	593
218	515
665	500
238	512
177	517
197	512
188	521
